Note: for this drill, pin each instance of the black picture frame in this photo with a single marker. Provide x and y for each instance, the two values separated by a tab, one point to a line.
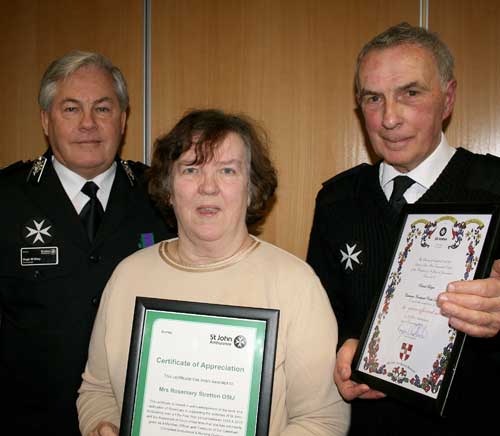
265	320
365	369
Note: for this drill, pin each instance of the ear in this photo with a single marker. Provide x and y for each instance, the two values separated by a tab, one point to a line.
123	121
44	117
449	95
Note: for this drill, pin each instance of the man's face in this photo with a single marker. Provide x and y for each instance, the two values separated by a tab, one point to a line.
85	124
404	104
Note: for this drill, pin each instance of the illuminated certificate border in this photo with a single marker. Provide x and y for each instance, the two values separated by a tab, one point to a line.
407	349
197	368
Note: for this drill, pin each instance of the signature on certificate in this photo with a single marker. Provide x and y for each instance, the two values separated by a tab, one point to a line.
412	329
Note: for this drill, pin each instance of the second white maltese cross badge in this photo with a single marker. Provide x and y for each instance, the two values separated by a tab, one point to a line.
350	256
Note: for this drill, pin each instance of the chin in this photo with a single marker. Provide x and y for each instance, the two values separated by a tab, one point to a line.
210	238
395	157
209	235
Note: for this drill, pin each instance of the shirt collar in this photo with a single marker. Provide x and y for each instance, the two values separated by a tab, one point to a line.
73	182
427	172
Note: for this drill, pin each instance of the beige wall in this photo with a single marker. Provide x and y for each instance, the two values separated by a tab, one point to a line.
287	63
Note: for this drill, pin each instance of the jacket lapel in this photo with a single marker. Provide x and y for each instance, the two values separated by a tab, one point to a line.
50	197
120	204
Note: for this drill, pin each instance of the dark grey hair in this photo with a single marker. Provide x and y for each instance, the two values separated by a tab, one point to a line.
204	131
404	33
63	67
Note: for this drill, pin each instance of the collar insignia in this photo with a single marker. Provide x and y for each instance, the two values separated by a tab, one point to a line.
38	231
350	256
37	169
128	171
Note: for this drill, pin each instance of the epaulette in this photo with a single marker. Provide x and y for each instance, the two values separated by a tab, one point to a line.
36	170
485	173
344	185
128	171
13	167
133	170
354	171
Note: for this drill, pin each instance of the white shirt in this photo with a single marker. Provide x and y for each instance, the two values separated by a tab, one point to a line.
73	183
424	174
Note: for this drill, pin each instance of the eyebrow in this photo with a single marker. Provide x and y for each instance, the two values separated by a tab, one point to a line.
189	162
229	162
98	101
413	84
365	91
103	100
404	87
70	100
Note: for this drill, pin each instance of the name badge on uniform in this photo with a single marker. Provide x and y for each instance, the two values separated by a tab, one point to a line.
39	256
38	232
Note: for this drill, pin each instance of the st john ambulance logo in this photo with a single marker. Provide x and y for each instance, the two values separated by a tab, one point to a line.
350	256
240	341
38	231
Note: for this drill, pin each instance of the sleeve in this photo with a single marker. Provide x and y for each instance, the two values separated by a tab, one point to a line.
313	403
96	401
322	258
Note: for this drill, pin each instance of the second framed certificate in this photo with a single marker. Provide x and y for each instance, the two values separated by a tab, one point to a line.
407	348
198	368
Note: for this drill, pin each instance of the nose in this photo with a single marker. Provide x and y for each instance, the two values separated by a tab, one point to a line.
87	120
208	184
391	116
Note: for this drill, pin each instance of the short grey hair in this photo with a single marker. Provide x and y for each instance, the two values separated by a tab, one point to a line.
63	67
404	33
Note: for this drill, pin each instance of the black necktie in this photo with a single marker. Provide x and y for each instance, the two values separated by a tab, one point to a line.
92	212
401	184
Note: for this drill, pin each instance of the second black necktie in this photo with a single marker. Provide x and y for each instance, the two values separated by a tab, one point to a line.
397	200
92	212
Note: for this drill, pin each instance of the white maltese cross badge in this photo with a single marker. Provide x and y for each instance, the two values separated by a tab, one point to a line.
350	256
38	231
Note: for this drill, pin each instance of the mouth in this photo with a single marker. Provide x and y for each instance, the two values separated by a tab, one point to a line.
396	141
208	211
87	141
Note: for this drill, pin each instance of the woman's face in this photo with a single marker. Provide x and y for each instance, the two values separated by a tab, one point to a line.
210	200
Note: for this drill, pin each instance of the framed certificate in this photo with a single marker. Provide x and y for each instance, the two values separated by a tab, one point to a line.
407	349
198	368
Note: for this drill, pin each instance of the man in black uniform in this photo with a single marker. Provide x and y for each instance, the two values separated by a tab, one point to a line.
68	218
405	89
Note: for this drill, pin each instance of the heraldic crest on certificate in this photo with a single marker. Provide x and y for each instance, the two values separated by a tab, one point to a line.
408	350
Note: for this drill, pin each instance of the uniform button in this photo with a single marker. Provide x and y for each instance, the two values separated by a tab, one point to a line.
37	274
94	258
95	301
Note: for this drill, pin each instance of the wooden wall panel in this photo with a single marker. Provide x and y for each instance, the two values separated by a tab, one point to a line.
22	135
34	32
287	63
472	31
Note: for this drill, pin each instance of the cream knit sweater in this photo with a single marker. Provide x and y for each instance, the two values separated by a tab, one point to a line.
305	400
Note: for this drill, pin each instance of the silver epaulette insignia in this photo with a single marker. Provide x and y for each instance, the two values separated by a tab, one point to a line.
37	169
128	172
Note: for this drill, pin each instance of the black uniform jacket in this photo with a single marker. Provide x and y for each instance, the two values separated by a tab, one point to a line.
351	246
51	280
